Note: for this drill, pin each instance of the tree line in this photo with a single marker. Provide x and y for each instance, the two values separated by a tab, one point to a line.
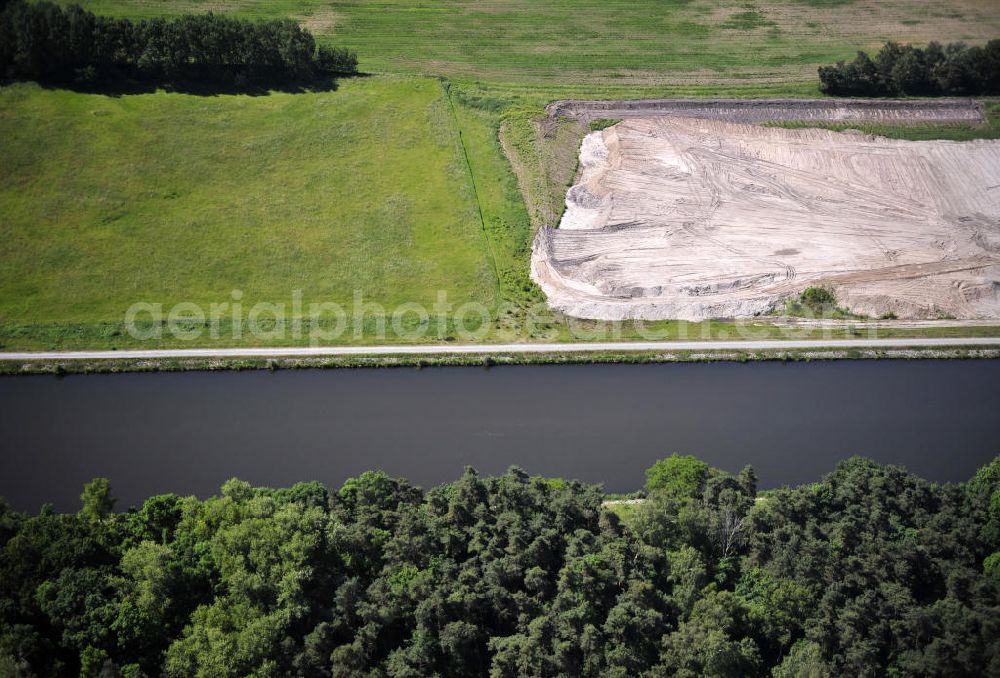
871	572
898	70
42	41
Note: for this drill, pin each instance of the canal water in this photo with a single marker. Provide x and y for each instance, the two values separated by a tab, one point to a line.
189	432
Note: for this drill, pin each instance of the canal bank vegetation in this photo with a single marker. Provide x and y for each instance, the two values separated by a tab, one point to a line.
486	361
513	576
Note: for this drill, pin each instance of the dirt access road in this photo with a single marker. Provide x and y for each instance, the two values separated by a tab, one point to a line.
698	217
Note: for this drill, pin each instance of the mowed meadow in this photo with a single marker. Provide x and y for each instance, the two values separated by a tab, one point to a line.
169	198
577	47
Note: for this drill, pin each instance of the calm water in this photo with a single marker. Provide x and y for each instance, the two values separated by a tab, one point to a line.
188	432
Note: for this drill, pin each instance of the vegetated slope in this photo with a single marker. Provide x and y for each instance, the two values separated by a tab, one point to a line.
171	198
611	43
872	571
695	219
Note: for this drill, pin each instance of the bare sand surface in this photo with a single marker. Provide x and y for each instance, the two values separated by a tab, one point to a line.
697	218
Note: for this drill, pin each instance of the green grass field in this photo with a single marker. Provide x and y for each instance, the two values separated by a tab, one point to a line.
174	198
580	47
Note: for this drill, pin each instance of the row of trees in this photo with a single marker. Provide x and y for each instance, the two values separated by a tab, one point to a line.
897	70
870	572
42	41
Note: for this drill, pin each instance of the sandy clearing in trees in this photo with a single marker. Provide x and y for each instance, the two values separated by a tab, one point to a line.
695	218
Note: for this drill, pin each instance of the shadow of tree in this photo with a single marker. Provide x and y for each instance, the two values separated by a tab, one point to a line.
120	86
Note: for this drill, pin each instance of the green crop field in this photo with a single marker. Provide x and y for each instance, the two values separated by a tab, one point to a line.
564	47
172	198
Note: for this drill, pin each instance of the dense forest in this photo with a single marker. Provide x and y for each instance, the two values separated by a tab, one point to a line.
898	70
42	41
871	572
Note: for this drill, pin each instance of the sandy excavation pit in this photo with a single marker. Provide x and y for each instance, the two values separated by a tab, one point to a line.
696	218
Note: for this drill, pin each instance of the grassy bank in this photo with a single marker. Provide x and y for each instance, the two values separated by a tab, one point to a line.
514	325
63	367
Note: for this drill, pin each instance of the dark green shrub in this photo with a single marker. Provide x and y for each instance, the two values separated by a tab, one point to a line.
336	60
818	297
